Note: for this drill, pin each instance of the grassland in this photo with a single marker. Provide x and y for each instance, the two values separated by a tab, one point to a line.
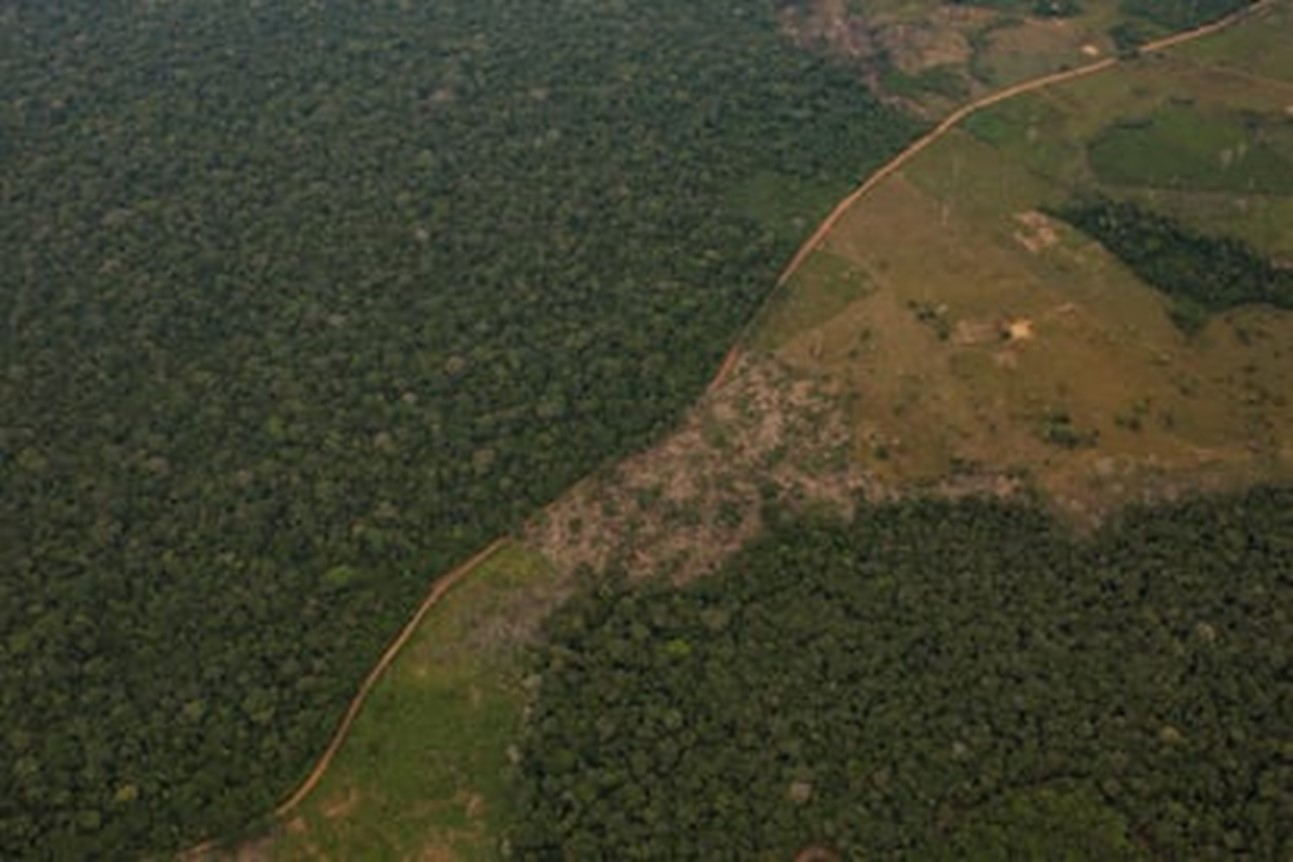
1191	138
1248	52
1179	147
996	342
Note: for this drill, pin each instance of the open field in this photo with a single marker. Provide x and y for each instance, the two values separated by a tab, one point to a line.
996	341
1181	147
1252	51
933	55
1197	141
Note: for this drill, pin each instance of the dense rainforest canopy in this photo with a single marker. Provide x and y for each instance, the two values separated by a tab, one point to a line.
935	680
304	301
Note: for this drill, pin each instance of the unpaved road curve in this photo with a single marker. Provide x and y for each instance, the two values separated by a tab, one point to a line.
814	242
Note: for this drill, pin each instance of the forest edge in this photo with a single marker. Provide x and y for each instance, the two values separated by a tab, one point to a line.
441	586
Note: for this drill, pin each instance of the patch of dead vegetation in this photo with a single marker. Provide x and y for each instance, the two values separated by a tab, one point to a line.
259	850
912	45
768	435
829	25
875	43
817	853
970	332
514	619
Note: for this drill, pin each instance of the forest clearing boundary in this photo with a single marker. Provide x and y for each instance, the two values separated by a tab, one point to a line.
442	585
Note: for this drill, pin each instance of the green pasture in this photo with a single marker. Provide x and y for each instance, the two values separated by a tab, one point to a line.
996	339
1179	146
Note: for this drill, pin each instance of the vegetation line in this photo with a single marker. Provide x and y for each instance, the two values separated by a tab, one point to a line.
814	242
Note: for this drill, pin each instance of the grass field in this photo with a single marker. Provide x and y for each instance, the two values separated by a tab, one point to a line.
1252	51
1179	147
830	284
424	773
995	341
1209	144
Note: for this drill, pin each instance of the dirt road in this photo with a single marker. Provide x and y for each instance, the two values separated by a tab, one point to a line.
442	586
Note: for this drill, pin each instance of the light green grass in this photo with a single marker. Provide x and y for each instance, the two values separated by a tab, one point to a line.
1180	146
1153	124
425	771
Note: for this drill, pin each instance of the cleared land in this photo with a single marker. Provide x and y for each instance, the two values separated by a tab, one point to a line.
933	56
995	341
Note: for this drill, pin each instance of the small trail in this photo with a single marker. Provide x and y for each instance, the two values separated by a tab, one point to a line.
814	242
724	370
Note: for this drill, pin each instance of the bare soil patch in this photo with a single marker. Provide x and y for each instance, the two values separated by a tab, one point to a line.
817	853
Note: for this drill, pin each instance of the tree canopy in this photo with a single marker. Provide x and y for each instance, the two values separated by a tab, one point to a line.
934	680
